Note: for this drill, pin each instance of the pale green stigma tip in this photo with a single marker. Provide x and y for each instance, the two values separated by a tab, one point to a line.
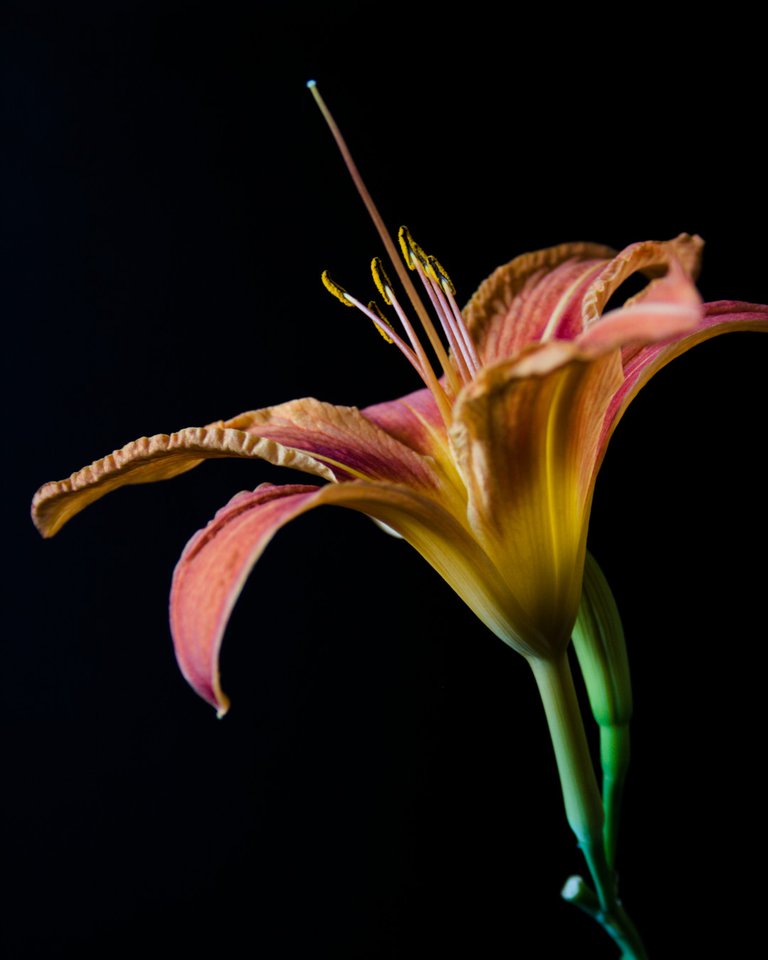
339	292
381	280
311	83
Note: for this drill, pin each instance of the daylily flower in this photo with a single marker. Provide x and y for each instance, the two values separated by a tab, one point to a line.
488	472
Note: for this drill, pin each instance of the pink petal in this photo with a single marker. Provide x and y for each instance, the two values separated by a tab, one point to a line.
150	459
211	572
218	559
640	364
651	258
336	443
352	444
536	296
413	420
670	308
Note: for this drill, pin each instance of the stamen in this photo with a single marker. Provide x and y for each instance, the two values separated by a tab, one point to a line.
435	280
403	237
446	320
381	280
446	293
339	292
374	308
437	390
442	277
412	252
416	258
415	356
466	338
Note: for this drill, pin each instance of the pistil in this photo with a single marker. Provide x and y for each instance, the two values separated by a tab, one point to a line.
439	393
460	366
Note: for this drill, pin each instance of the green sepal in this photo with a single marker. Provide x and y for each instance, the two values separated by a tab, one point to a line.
598	637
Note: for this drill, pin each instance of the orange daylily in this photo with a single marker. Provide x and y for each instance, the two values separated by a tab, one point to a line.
488	472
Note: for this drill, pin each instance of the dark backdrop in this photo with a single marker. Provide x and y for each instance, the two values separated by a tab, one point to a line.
383	786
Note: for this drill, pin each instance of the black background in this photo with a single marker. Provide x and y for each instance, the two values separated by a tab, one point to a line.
383	786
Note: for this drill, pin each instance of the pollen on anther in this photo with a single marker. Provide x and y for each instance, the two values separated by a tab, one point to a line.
374	308
441	276
339	292
411	250
381	280
404	238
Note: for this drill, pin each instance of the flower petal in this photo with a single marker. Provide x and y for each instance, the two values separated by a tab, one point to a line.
641	363
414	420
211	572
536	296
351	444
156	458
216	562
336	443
525	436
670	308
653	258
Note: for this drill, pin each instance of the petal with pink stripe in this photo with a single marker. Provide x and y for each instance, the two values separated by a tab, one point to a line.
537	296
218	559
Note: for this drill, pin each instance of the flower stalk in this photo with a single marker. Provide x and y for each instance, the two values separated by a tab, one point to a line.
583	806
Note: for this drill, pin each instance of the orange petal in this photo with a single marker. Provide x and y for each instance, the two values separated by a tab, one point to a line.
335	443
641	363
211	572
414	420
536	296
670	308
156	458
218	559
526	435
351	444
652	258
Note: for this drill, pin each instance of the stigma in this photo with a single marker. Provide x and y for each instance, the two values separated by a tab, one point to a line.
453	353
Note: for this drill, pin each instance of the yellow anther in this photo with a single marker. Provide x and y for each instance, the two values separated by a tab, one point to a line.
339	292
381	279
439	274
374	308
411	250
404	238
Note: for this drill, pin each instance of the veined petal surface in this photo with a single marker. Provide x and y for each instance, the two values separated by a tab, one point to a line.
218	559
351	444
336	443
652	258
536	296
642	362
669	308
525	437
413	420
157	458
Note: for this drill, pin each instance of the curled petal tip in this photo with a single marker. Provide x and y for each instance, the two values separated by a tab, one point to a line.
669	308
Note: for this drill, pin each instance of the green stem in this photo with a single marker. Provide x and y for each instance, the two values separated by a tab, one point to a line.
583	805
